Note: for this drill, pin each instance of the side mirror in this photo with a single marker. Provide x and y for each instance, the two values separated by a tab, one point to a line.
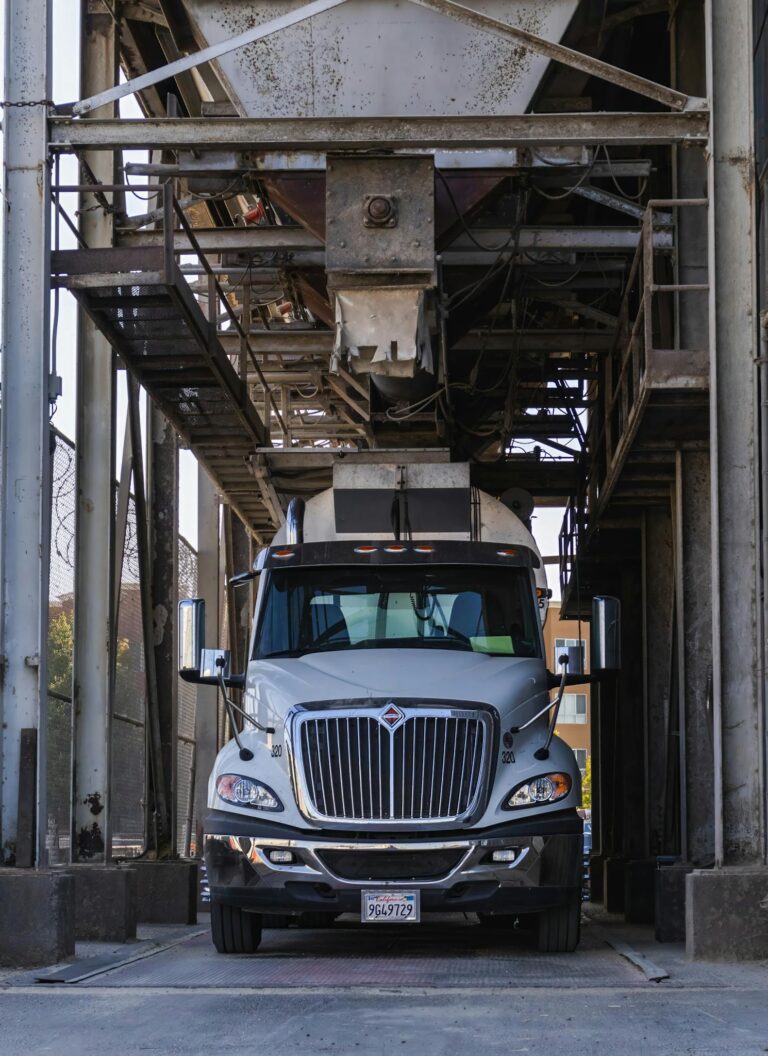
191	638
196	663
605	643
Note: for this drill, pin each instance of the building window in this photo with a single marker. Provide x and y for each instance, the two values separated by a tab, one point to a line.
562	645
581	758
573	710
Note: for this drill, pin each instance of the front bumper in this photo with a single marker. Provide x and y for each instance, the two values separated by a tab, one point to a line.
454	873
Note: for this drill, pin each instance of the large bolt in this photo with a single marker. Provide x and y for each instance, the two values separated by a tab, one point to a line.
380	209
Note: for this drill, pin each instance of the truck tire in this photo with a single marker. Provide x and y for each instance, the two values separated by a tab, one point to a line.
559	929
233	930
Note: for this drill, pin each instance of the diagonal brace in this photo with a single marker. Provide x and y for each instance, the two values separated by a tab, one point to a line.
197	58
560	53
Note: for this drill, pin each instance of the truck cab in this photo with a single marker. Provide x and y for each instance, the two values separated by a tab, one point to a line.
397	755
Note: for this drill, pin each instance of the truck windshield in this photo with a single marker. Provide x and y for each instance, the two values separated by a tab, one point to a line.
479	608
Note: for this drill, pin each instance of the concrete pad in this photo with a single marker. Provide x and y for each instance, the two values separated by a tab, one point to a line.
105	902
726	914
670	902
37	917
639	877
613	884
166	892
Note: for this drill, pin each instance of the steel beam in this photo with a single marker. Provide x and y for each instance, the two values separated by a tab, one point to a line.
94	512
24	431
464	249
551	173
301	343
227	240
381	133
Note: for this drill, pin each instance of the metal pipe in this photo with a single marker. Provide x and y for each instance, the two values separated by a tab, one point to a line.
208	587
94	633
294	522
762	718
24	431
736	696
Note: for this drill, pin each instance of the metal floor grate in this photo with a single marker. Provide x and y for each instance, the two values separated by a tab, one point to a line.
455	954
162	336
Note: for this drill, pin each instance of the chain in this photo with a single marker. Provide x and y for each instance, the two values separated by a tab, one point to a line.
6	105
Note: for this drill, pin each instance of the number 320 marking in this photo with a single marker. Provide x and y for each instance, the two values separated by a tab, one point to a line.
277	751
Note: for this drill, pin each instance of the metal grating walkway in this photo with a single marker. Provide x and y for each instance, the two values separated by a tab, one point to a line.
156	326
452	954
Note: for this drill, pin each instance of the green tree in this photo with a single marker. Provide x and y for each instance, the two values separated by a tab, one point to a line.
61	643
586	785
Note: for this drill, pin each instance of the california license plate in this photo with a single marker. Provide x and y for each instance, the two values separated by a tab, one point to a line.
391	907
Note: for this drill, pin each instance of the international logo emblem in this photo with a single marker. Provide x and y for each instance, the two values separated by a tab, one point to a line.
392	716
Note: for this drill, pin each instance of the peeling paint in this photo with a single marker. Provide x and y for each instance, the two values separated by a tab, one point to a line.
90	841
93	801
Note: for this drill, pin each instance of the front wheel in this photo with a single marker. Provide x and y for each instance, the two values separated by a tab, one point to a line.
233	930
559	929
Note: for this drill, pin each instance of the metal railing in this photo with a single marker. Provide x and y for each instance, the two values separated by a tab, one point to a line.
647	332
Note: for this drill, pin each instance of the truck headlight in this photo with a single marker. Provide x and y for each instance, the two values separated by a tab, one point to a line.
245	792
545	789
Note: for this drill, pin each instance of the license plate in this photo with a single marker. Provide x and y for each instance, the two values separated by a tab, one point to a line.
391	907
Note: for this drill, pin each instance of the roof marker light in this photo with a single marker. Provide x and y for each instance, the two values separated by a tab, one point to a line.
508	553
283	553
366	549
424	549
397	549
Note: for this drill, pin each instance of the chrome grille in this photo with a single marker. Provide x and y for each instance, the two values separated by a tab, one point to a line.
431	767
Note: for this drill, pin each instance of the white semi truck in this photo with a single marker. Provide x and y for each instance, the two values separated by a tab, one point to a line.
397	755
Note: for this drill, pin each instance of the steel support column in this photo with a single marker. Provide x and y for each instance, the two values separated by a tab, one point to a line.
737	696
694	655
724	918
94	515
206	716
163	514
658	623
24	432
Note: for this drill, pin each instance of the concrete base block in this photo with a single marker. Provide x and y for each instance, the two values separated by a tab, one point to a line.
639	879
37	917
670	902
726	914
105	902
596	870
613	884
166	892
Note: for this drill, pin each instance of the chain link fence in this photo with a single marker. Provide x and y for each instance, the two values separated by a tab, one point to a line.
129	735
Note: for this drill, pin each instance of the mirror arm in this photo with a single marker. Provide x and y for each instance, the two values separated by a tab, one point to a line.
232	708
543	752
245	753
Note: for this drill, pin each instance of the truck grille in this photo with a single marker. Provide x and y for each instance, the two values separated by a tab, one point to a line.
431	767
391	865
